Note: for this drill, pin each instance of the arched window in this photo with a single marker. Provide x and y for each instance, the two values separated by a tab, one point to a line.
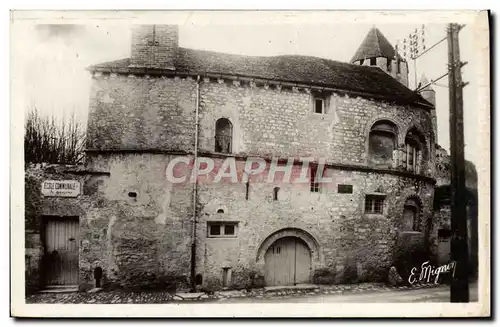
411	216
382	142
414	143
223	136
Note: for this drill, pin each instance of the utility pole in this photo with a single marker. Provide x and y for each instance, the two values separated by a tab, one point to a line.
459	289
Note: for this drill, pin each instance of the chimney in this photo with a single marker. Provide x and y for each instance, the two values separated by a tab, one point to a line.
154	46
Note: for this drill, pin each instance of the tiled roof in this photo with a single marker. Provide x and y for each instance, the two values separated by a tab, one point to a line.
287	68
374	45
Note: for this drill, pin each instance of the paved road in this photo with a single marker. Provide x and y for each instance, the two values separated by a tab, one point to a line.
438	294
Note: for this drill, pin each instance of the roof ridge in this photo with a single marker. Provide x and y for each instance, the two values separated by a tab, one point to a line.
271	56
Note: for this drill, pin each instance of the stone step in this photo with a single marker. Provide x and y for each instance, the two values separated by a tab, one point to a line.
298	287
189	296
60	289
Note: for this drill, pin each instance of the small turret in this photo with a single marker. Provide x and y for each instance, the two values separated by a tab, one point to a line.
376	50
429	94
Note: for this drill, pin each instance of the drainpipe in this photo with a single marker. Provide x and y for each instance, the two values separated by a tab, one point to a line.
195	188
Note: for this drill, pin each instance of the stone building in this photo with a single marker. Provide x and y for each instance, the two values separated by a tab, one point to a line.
357	123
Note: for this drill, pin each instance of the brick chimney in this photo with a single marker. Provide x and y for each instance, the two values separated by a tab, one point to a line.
154	46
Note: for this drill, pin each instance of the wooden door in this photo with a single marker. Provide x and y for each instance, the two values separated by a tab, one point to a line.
302	263
61	251
444	246
288	262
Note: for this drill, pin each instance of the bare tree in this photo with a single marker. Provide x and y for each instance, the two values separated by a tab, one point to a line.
48	141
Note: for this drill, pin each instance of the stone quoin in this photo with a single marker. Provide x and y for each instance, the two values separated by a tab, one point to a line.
357	125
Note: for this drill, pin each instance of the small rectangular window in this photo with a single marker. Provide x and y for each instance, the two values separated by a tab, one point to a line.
275	193
373	61
215	229
228	229
319	105
314	182
344	188
374	204
222	229
412	154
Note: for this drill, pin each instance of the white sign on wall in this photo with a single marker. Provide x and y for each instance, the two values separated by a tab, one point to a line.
61	188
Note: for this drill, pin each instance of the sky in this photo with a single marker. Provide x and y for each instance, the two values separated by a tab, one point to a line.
53	59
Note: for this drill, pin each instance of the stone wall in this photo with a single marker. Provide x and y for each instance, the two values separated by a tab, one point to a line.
131	115
351	245
145	241
148	222
137	113
131	223
152	113
39	207
443	170
281	123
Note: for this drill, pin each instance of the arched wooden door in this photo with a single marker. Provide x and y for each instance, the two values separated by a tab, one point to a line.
287	262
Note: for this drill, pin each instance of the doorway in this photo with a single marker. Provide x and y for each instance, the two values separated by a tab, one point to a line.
444	246
61	251
287	262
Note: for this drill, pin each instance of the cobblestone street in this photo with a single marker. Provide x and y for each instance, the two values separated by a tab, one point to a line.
306	293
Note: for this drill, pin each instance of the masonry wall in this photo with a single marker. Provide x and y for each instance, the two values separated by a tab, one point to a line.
281	123
352	246
132	116
148	222
38	208
139	113
139	241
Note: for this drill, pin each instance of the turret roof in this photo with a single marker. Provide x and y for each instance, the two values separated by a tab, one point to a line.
374	45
